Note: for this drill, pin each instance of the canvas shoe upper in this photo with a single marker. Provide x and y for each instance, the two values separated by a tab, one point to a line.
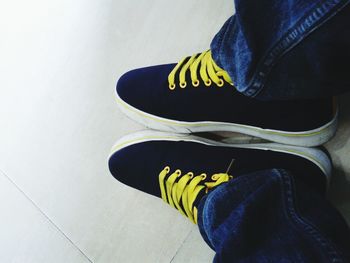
196	95
181	169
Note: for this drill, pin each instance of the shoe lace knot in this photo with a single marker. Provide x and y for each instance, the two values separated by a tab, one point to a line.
209	71
181	190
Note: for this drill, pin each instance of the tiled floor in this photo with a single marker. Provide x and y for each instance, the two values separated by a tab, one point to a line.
59	62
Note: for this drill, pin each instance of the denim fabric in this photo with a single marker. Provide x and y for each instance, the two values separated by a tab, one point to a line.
289	49
271	216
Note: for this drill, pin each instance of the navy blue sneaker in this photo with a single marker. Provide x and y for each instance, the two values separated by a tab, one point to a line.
182	168
196	95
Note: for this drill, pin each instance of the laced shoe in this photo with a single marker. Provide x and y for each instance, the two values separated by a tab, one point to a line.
196	95
181	169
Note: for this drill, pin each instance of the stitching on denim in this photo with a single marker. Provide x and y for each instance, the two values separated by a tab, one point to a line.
288	196
292	38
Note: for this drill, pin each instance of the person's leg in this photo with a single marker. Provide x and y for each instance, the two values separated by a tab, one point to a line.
292	55
271	216
291	49
244	215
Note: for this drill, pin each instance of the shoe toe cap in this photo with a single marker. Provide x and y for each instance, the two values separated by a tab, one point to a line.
143	88
135	167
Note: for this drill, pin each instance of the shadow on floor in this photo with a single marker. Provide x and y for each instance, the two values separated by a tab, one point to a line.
339	148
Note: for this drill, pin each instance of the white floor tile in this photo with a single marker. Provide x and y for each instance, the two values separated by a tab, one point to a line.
194	250
60	61
27	236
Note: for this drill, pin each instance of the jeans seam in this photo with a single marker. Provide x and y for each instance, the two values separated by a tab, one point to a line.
299	222
304	27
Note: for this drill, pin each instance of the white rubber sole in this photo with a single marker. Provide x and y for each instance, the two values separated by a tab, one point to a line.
306	138
314	155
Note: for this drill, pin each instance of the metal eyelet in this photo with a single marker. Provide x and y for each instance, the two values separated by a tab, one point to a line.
221	83
183	85
195	83
207	83
214	177
204	176
190	174
172	86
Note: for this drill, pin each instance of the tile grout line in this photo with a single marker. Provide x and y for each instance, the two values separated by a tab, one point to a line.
183	242
44	214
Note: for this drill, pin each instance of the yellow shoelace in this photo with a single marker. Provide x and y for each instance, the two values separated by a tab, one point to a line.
209	71
181	193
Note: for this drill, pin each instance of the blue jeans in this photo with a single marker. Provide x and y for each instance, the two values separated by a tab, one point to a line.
271	216
287	49
280	50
